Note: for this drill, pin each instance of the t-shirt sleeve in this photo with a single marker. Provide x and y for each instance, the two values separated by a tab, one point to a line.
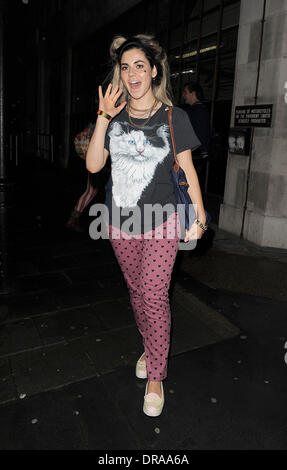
184	135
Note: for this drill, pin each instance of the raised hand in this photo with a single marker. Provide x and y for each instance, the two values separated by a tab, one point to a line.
107	103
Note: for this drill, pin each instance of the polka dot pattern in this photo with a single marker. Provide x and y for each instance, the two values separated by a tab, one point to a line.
147	265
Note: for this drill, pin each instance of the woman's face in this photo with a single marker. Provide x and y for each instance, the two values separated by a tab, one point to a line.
136	73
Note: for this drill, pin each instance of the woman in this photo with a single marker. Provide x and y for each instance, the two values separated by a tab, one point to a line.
133	127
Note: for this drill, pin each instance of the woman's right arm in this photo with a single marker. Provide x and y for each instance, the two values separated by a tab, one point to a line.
97	155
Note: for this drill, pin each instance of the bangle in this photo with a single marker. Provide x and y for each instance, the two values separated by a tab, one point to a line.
202	226
102	113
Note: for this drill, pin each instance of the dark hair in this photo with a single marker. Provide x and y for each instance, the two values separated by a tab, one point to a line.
195	86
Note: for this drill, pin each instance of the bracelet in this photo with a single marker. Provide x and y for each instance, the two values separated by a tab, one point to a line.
102	113
202	226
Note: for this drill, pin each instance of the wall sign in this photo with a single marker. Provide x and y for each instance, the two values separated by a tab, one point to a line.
258	115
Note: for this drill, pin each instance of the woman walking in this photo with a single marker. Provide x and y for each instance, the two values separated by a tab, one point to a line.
133	127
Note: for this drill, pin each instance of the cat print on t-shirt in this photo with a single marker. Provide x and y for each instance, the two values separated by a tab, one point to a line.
135	158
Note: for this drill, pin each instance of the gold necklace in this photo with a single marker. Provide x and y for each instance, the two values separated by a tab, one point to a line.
147	120
139	110
140	115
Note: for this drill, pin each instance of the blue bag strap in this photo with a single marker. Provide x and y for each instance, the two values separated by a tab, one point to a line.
176	165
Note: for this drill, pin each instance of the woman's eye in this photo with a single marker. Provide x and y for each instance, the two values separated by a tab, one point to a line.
124	67
139	66
131	142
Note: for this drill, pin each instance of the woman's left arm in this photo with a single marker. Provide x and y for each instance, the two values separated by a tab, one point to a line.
185	162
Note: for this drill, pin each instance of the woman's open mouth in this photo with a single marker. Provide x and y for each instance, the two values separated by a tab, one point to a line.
134	85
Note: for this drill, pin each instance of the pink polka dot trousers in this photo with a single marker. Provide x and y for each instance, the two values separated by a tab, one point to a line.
147	266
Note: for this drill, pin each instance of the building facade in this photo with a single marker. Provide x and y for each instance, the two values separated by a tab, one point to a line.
255	195
235	49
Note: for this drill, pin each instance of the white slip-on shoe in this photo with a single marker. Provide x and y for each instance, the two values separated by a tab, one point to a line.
153	403
141	372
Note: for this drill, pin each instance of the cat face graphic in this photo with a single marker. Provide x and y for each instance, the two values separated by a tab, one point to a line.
135	147
138	145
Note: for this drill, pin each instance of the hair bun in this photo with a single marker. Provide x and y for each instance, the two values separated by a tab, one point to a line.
116	43
151	41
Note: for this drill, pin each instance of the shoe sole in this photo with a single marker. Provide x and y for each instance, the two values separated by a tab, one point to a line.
143	376
151	415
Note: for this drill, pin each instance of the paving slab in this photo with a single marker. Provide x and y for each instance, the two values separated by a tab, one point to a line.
113	349
38	282
50	367
22	268
68	324
44	422
229	411
196	324
30	304
81	416
18	336
264	318
89	292
228	242
223	270
80	274
47	262
114	313
105	426
8	389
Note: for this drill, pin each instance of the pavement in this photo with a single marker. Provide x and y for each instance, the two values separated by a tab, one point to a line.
69	344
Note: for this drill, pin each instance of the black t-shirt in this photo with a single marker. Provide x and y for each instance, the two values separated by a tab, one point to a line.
200	121
141	162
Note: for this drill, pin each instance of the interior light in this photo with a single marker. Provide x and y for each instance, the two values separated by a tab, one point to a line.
193	53
175	74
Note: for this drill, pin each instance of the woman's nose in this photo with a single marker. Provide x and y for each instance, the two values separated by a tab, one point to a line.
131	71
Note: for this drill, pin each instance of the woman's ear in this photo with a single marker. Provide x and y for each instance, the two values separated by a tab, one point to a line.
154	72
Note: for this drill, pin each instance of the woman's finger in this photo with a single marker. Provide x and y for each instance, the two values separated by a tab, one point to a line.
121	106
114	91
108	90
192	233
118	94
100	93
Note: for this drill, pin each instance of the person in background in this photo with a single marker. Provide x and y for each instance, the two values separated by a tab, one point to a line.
199	117
81	146
82	203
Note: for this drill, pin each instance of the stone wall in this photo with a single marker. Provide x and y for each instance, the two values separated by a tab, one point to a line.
266	214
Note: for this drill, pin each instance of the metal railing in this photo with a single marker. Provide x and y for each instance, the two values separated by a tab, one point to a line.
45	146
42	145
15	147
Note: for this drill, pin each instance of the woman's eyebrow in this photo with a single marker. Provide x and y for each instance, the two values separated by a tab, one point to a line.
124	63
